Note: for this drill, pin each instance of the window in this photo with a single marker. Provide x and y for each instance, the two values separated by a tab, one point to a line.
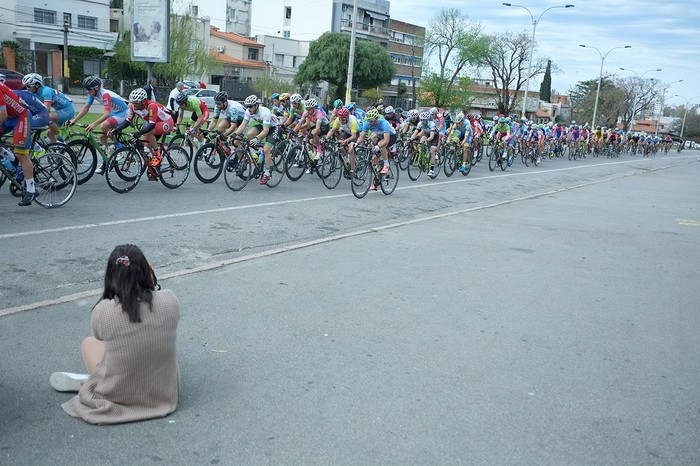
286	34
194	10
253	54
67	19
87	22
279	59
231	15
44	16
288	12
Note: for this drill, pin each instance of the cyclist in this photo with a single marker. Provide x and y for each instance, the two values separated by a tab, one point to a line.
61	104
296	110
337	105
427	132
233	114
502	131
263	128
411	122
276	107
392	117
200	115
346	125
461	132
386	137
156	122
115	108
313	119
15	117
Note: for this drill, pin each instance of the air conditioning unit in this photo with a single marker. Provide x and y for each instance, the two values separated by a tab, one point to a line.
220	48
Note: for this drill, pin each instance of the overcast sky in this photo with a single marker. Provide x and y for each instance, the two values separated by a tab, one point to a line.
663	34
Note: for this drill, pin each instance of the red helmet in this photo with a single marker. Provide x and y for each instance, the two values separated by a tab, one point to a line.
343	112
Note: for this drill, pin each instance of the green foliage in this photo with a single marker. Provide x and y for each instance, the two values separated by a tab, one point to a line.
266	86
546	86
401	90
23	60
188	56
435	91
328	61
612	102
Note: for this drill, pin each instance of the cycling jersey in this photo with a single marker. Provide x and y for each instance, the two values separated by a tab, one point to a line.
349	127
461	130
380	128
154	116
439	123
314	117
234	111
196	106
298	111
17	117
575	134
113	102
263	115
58	101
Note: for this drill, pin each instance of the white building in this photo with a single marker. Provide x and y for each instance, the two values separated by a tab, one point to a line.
227	15
284	55
38	27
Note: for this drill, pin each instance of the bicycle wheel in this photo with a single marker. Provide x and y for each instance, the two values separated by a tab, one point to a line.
295	163
451	162
276	169
333	167
124	170
494	157
415	167
85	156
362	178
390	180
506	161
208	163
55	179
405	157
238	170
182	141
174	168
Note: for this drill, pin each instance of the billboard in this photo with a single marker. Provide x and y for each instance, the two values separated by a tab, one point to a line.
150	31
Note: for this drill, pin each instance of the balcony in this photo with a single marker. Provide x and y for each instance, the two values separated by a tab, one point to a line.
384	33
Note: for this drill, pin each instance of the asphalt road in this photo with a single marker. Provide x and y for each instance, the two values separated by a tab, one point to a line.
537	316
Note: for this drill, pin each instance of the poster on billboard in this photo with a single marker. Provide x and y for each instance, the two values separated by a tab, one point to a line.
150	31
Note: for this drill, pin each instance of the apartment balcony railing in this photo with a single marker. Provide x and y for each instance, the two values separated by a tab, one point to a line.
367	28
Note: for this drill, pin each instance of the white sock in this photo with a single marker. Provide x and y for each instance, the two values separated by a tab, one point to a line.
29	182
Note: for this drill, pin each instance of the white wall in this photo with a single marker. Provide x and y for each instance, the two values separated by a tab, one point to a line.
309	18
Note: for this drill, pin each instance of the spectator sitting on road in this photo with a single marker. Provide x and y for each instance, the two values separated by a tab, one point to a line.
131	360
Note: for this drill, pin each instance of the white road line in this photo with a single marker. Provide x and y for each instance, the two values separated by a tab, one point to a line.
295	201
306	244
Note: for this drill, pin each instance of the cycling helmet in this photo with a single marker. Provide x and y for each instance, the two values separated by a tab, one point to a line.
338	103
508	120
470	116
181	98
388	110
533	126
573	122
598	128
91	82
2	78
523	119
373	114
502	120
343	112
251	101
221	96
295	98
371	107
311	103
32	79
284	97
412	113
275	96
137	95
434	111
425	116
445	114
459	117
380	108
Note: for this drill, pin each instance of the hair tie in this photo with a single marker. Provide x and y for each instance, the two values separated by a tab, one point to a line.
123	260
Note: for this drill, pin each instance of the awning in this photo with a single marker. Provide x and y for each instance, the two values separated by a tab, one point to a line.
378	16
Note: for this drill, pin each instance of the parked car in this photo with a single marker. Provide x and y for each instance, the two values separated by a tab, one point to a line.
206	95
13	79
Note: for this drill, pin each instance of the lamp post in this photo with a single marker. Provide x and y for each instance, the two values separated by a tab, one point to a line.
663	99
600	76
532	44
634	99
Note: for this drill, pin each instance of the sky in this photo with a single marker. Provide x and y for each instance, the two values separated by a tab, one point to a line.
663	34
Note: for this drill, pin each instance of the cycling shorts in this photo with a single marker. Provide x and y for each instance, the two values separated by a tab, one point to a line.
21	130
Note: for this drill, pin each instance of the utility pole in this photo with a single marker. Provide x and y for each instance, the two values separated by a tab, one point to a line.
66	70
413	78
351	59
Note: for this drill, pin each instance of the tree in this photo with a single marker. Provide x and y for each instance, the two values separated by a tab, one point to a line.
458	43
435	94
507	60
612	102
328	61
641	94
546	86
188	54
266	85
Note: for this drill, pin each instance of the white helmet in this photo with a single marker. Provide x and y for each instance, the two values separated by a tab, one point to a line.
424	116
311	103
137	95
32	79
295	98
251	101
434	111
412	113
388	110
459	117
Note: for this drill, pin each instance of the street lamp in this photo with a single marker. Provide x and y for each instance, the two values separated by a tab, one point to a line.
600	76
685	114
663	99
634	99
532	44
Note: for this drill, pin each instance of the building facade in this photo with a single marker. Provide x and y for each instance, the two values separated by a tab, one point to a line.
406	51
241	61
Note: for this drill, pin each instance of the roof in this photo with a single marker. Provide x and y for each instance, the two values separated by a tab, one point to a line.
542	114
237	62
234	37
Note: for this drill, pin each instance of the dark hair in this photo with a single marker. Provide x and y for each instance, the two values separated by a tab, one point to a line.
130	279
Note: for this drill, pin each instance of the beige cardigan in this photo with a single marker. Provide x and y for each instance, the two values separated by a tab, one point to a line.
138	377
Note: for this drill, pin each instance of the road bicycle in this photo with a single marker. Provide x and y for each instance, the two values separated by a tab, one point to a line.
54	177
299	158
420	160
208	162
86	150
248	162
368	166
335	164
126	166
498	157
